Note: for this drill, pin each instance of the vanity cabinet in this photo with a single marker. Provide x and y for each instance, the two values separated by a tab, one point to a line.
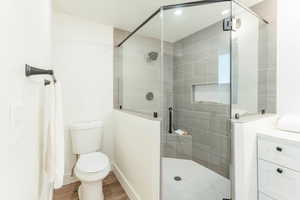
278	168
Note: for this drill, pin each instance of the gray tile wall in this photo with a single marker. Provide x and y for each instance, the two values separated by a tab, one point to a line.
134	76
196	62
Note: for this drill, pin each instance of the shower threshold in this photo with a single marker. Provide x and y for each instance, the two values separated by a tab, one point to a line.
197	182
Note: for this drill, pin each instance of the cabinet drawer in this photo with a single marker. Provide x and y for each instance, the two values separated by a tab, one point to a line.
264	197
278	182
280	153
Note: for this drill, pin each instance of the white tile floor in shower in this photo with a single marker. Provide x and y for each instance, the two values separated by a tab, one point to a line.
198	182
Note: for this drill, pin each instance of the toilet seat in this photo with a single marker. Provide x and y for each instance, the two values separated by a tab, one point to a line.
92	162
92	166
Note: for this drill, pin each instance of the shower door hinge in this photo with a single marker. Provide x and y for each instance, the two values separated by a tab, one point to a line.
227	24
231	24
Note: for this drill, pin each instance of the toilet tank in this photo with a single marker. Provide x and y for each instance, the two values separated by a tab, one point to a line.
86	136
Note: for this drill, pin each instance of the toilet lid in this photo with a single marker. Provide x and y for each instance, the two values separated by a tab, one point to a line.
92	162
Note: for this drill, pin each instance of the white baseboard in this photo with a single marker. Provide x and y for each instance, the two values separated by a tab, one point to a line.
132	194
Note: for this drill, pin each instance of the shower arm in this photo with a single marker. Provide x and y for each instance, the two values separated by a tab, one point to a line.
32	71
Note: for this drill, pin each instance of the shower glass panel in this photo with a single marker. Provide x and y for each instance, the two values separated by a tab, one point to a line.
196	71
138	69
251	89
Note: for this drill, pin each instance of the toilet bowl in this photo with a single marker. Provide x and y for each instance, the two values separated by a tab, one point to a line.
92	166
91	169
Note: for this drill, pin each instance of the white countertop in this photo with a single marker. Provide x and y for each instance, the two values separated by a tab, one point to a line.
265	127
278	134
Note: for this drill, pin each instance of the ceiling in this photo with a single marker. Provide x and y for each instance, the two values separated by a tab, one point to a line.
128	14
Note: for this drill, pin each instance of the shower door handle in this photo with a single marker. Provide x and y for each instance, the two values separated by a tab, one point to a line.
170	120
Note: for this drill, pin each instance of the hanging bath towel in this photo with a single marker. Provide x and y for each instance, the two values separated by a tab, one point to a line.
53	142
59	138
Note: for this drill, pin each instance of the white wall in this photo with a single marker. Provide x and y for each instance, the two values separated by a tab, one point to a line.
288	57
24	38
137	155
83	60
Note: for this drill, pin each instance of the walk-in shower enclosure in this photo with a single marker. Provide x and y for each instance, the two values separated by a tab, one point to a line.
194	66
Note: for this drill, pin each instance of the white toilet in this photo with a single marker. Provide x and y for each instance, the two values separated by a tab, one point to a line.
92	166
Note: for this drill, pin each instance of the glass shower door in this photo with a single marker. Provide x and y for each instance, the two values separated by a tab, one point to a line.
196	102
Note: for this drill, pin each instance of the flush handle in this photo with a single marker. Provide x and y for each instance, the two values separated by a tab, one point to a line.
279	149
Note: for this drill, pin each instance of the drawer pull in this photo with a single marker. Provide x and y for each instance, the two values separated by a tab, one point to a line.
279	149
279	171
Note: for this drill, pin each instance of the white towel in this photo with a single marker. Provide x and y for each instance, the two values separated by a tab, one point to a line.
53	142
59	136
289	122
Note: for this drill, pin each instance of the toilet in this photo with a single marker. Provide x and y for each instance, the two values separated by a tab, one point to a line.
92	165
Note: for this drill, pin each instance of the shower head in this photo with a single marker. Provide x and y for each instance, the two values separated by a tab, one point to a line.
152	56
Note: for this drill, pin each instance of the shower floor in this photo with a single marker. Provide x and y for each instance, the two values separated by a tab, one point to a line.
197	182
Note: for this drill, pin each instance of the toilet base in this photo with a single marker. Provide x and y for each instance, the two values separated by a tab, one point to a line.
91	191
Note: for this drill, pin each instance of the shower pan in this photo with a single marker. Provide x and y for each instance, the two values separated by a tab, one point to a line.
201	58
